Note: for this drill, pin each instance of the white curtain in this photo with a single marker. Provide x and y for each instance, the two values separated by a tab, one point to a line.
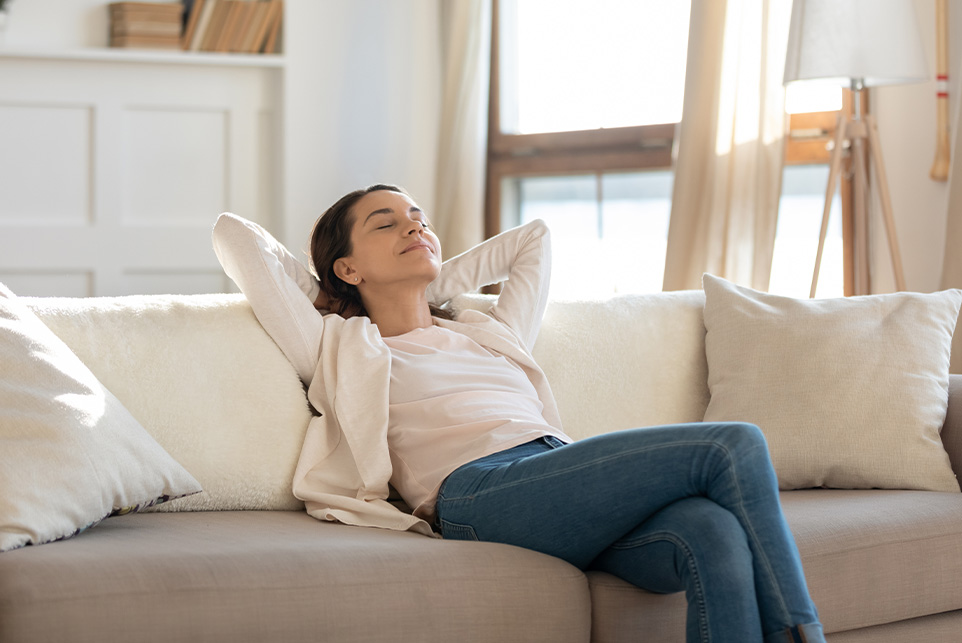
462	154
731	148
952	261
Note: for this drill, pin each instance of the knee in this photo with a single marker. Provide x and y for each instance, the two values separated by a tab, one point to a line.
742	438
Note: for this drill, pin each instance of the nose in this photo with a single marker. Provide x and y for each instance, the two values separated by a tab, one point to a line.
416	226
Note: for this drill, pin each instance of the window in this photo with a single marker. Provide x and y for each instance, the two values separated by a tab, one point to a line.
813	110
583	139
581	136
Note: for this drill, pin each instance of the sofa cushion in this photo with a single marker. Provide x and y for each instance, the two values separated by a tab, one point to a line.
207	383
283	576
850	393
878	556
71	453
870	556
622	362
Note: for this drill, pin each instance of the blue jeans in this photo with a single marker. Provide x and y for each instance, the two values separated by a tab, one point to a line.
691	507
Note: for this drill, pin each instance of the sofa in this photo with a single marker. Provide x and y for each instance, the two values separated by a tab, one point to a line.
242	561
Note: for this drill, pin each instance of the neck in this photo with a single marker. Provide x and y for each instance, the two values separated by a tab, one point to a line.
397	311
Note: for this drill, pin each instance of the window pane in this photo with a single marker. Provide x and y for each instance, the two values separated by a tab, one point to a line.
578	64
812	96
796	237
608	233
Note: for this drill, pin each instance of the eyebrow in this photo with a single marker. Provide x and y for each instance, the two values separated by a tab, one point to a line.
413	208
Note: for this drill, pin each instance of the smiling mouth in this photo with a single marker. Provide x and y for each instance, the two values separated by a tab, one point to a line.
418	246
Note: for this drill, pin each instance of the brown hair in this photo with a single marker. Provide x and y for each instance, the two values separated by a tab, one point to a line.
331	240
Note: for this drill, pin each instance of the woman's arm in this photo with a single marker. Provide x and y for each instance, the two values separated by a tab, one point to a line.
282	292
521	257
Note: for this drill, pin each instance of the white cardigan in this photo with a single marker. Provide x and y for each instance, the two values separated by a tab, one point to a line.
344	467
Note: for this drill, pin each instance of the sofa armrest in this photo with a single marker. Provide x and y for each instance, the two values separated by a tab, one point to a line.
952	429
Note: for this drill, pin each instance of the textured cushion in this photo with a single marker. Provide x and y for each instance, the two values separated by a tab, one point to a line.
622	362
206	382
871	557
71	453
238	577
850	393
877	556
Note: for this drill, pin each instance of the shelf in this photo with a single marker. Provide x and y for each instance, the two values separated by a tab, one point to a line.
161	57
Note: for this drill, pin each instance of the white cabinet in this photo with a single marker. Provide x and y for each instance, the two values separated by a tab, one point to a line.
115	163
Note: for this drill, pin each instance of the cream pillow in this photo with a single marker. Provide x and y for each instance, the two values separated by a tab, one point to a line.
70	453
850	393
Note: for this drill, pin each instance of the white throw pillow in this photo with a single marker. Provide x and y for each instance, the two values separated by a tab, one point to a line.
850	393
70	453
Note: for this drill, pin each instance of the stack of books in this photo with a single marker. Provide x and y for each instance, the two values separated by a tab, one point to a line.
241	26
155	25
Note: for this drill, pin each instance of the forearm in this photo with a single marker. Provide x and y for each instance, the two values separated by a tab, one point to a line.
487	263
280	290
521	257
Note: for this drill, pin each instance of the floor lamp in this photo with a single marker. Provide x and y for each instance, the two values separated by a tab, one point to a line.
858	44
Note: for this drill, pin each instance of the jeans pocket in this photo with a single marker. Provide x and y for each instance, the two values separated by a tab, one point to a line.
455	531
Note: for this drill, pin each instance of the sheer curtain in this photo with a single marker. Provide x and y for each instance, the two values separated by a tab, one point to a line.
730	153
952	261
462	155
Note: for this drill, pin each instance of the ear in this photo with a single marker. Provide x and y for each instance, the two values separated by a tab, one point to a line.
346	272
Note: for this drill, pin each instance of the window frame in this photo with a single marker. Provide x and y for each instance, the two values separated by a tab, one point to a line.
595	151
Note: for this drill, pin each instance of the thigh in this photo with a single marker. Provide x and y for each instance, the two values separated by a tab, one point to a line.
574	501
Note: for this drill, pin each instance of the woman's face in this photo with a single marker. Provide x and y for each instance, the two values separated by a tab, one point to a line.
392	243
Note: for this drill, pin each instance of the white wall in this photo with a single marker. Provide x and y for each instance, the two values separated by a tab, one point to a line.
361	103
62	24
906	120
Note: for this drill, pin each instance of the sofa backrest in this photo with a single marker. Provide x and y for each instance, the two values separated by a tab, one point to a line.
205	379
622	362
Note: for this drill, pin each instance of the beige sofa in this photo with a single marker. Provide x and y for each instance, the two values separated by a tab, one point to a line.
243	562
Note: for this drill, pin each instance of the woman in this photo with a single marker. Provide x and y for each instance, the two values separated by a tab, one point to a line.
470	430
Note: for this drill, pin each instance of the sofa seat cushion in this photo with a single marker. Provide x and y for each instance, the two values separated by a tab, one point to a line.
870	557
283	576
878	556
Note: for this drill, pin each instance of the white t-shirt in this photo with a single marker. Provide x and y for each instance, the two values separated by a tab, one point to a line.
453	401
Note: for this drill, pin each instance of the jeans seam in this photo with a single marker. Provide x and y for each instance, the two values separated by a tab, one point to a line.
753	537
692	569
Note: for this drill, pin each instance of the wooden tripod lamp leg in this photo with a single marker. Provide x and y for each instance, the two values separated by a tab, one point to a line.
875	149
834	170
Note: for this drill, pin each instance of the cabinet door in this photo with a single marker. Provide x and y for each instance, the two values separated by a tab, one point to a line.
113	172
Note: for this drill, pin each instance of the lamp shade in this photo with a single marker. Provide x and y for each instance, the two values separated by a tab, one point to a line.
877	41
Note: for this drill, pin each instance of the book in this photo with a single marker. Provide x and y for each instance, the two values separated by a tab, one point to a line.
258	16
272	45
147	11
141	28
215	26
166	8
203	23
241	26
230	25
246	16
146	42
193	18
